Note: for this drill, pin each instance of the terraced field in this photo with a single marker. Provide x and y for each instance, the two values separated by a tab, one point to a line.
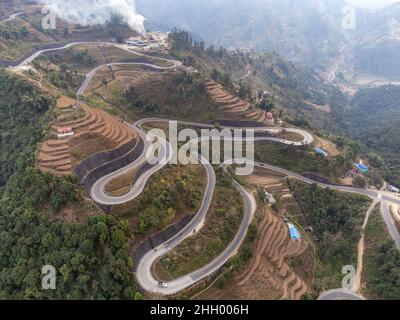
123	77
233	106
269	268
94	131
280	267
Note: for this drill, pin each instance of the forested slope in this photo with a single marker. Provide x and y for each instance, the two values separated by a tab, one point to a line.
92	259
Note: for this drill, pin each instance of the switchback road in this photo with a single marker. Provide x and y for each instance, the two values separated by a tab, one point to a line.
144	274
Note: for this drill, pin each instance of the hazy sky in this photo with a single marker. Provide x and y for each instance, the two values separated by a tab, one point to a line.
372	4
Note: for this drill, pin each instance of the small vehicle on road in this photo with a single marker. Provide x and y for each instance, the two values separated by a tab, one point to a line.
162	285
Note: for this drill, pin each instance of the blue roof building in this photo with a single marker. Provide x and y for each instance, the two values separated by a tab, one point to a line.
294	233
321	152
362	167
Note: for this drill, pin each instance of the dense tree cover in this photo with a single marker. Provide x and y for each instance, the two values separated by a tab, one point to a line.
23	113
175	191
76	57
222	78
9	32
380	59
266	104
92	260
65	77
181	40
373	118
33	189
385	280
382	261
336	219
372	109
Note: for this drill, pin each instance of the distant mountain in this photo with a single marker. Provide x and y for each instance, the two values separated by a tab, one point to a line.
376	49
306	31
309	31
373	118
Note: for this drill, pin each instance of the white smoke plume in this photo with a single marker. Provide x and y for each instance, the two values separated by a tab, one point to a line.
90	12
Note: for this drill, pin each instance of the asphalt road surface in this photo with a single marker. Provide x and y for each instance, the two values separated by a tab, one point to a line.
340	294
12	17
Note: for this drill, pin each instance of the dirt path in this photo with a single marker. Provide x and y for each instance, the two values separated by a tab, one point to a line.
361	247
328	146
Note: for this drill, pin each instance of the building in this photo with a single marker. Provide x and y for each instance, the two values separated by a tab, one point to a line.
191	70
64	132
136	43
269	118
393	189
321	152
150	41
270	198
361	167
293	232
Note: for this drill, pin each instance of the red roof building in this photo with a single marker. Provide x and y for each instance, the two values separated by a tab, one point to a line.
269	115
64	130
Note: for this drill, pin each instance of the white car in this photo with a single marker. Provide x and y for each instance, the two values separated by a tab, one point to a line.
162	285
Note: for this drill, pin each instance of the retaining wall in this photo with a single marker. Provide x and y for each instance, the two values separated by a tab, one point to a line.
107	162
101	158
239	123
139	250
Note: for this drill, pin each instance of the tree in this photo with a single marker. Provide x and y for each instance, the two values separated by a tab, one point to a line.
118	239
138	296
360	182
56	202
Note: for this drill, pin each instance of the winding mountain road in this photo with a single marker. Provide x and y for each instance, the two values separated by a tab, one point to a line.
340	294
11	17
175	63
144	268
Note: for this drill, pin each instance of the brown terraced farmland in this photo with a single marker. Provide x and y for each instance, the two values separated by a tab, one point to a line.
94	131
123	76
280	268
269	271
233	107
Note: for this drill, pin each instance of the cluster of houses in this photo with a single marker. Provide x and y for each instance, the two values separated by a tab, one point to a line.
150	41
